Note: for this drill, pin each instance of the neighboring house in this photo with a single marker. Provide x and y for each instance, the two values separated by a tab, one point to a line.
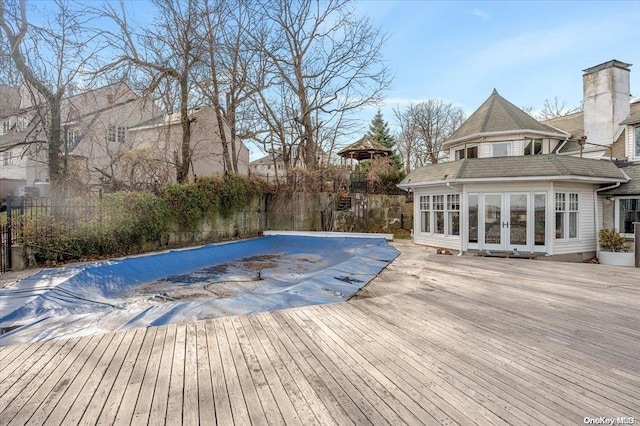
94	126
159	141
272	167
515	183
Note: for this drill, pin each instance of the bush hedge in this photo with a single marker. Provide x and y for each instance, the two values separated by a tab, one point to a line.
128	222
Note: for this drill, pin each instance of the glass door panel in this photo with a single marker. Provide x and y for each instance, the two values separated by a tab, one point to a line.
540	213
518	219
493	220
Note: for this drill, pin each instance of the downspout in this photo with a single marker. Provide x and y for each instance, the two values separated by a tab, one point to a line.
461	200
595	201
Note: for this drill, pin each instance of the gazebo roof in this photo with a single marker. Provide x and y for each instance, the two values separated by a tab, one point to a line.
365	149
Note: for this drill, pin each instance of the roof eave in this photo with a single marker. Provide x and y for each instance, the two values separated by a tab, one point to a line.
562	135
501	179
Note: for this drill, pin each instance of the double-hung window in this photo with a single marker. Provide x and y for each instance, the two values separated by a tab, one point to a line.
637	141
453	213
628	212
7	160
425	214
567	215
116	134
6	125
438	213
73	138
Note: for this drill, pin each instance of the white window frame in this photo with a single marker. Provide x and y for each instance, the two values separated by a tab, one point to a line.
532	142
73	138
116	134
507	144
617	213
465	151
429	206
569	208
7	158
6	126
636	145
424	207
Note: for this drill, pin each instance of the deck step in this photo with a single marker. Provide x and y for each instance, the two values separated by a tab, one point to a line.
507	254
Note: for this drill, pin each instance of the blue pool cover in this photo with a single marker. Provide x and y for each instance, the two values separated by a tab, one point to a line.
263	274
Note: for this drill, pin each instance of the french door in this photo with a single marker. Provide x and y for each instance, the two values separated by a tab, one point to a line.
506	221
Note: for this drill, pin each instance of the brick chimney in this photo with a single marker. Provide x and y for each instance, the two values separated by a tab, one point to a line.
607	94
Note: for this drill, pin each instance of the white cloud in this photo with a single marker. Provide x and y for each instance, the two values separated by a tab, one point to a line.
481	14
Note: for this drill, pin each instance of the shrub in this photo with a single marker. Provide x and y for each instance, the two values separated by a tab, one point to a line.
612	240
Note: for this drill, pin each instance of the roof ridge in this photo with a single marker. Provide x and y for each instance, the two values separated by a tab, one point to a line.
559	165
483	126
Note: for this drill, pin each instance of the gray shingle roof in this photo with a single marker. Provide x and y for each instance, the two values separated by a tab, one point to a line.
573	124
541	166
497	114
633	186
634	116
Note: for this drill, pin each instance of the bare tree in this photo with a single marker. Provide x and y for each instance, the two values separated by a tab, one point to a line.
167	54
424	127
555	109
328	59
49	58
234	67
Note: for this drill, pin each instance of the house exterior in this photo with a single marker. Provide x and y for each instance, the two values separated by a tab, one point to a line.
158	141
520	185
272	166
94	125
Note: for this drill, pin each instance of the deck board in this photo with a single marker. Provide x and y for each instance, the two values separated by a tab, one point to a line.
461	340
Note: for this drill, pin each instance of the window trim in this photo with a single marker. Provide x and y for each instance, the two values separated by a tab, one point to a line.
532	142
507	143
465	151
116	134
636	144
427	208
7	159
617	212
567	212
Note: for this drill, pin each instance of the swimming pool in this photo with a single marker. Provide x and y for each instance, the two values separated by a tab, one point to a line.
262	274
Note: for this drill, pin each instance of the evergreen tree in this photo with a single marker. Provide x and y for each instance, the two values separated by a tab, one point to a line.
379	132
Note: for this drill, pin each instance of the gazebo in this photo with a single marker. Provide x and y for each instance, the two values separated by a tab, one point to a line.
364	149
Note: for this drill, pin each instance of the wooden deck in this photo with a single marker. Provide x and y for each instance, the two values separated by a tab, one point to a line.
460	341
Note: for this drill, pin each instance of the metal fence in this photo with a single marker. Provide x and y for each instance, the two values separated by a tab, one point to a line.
5	250
37	222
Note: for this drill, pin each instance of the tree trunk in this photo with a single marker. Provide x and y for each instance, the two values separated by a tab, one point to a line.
182	168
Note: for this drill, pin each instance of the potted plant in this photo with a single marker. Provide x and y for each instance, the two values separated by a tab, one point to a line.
613	249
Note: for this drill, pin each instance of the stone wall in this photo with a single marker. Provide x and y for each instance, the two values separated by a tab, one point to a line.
318	212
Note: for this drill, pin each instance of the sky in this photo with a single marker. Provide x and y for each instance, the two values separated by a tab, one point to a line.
529	51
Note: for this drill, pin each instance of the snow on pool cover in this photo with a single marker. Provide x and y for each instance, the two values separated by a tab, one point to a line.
263	274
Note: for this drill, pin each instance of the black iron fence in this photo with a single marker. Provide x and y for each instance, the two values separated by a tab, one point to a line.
37	222
5	250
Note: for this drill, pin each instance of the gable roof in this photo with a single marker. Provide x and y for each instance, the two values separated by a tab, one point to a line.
634	115
529	167
496	116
